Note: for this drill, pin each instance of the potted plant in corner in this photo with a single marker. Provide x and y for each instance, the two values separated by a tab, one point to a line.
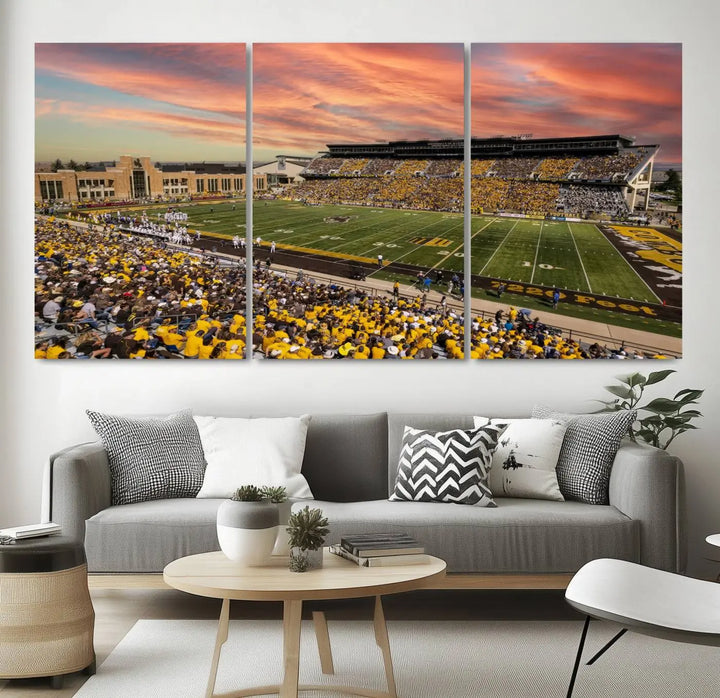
247	526
306	529
668	418
278	496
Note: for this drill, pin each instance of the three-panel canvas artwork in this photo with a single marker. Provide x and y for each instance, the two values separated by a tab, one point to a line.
382	226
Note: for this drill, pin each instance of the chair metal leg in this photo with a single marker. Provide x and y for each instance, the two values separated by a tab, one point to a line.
578	657
607	646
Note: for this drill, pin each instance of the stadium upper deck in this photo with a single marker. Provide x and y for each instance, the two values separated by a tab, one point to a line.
598	161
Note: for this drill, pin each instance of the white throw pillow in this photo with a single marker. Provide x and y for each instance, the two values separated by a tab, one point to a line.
524	461
257	452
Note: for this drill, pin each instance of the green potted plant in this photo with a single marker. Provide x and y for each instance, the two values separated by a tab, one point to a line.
247	526
278	496
306	529
664	418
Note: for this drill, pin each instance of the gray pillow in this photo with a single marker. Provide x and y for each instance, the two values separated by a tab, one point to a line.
588	451
151	458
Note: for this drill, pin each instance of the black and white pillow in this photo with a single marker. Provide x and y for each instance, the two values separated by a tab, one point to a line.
524	462
446	466
151	458
588	451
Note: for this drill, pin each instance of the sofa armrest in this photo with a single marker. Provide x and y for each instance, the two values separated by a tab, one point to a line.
647	485
79	487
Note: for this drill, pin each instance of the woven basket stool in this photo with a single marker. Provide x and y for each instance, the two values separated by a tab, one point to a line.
46	616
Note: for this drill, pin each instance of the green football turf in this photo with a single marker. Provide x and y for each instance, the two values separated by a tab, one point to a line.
574	256
367	233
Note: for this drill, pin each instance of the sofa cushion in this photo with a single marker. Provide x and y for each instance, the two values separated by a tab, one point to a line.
519	536
151	457
146	536
261	451
346	457
446	466
523	464
588	451
396	424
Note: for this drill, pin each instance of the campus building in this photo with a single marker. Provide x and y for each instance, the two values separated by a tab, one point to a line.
132	178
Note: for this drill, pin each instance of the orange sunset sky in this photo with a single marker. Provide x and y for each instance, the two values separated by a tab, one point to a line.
308	95
184	102
580	89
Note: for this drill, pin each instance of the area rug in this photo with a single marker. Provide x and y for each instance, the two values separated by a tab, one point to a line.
171	658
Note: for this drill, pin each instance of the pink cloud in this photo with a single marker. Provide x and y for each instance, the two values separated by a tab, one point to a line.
579	89
224	131
308	95
208	77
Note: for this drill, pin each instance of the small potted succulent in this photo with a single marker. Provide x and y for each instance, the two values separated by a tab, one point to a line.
247	526
306	529
278	496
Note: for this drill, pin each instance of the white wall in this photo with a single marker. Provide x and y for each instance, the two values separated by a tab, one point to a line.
43	402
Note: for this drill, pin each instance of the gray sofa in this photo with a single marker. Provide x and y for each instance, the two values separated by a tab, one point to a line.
350	463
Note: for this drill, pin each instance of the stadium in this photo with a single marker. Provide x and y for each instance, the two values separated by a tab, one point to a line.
370	237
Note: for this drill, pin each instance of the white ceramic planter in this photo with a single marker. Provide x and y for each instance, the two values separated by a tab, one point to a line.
282	538
247	531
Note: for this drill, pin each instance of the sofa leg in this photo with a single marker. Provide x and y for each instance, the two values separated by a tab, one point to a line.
57	681
91	668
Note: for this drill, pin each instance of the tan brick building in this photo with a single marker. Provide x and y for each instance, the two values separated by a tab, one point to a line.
137	178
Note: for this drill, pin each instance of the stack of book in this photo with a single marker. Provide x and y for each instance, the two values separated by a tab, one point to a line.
30	531
380	549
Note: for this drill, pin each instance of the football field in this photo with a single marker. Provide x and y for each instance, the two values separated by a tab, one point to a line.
573	256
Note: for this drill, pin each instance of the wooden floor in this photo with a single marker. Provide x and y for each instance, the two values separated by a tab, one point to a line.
116	611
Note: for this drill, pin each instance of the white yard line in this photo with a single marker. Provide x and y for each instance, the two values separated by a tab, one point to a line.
537	250
497	249
409	252
414	232
622	256
461	245
587	281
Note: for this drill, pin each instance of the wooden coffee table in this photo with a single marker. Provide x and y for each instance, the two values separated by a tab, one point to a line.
213	575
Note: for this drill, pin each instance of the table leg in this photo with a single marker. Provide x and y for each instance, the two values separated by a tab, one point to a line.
383	642
292	615
222	633
323	641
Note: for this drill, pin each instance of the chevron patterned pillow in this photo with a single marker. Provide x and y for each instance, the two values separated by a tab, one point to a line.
446	466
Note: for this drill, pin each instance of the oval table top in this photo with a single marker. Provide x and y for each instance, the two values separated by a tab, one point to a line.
215	576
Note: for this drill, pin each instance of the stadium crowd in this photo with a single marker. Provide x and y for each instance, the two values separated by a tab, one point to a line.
431	193
350	167
580	199
106	294
513	168
297	318
514	334
556	168
605	166
380	166
530	185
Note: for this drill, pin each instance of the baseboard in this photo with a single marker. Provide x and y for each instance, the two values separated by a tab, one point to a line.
450	581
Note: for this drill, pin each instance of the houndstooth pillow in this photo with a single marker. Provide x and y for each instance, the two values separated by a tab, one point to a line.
446	466
151	458
588	451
